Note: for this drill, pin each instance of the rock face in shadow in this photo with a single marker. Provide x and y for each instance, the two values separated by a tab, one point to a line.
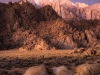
25	27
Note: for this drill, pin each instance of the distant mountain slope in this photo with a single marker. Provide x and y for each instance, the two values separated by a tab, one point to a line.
69	11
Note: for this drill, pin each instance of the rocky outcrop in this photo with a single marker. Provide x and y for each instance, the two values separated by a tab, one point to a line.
83	28
26	41
55	33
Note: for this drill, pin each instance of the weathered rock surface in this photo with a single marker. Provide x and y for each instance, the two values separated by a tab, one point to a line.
55	33
37	70
87	69
61	70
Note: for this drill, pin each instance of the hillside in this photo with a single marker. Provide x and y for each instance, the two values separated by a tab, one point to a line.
17	20
23	26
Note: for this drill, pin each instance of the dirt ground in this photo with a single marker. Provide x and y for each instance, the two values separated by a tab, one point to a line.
14	62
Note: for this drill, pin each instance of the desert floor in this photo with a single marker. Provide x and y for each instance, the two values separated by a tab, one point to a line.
14	62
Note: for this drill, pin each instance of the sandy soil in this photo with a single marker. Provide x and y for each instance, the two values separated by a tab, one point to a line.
14	62
34	53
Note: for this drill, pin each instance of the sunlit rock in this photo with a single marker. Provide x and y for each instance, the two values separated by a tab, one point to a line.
61	70
37	70
87	69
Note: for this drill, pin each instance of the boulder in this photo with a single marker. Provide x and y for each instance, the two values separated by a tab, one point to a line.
37	70
87	69
61	70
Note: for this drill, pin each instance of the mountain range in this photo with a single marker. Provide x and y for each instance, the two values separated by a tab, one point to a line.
27	26
73	11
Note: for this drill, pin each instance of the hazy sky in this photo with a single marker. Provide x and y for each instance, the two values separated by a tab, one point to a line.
84	1
87	1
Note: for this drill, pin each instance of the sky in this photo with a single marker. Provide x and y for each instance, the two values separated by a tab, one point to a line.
89	2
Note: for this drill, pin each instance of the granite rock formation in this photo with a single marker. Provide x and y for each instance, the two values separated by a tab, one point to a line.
87	69
73	11
24	26
37	70
18	24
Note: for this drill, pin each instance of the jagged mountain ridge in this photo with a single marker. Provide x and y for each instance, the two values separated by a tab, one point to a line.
22	25
75	11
